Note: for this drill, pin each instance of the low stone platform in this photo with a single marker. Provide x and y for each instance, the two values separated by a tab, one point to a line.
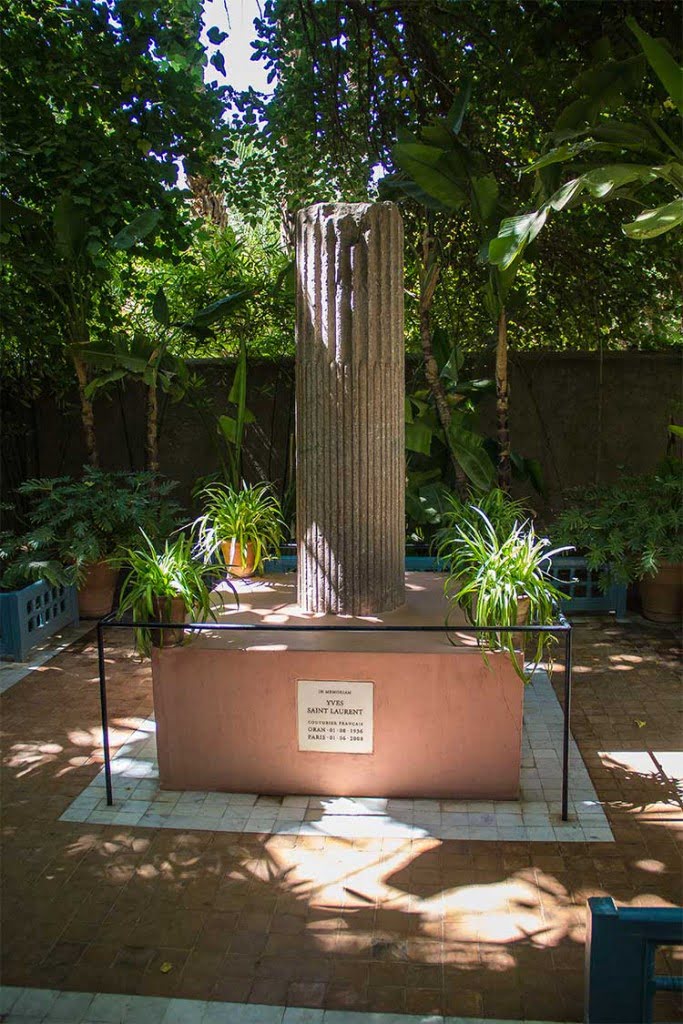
535	817
407	715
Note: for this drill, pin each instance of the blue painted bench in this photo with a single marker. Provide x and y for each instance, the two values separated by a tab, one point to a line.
620	960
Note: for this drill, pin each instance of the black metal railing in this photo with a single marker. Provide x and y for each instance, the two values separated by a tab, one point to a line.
562	628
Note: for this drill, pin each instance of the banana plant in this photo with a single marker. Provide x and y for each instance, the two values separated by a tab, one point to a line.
430	484
231	427
146	356
643	161
438	170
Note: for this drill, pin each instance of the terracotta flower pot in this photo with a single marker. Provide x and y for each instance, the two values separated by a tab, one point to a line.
235	563
168	609
96	594
522	611
661	595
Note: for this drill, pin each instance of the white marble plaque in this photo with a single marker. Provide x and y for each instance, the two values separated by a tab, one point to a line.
335	716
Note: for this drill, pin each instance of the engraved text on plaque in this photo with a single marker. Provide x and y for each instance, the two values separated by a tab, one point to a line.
335	716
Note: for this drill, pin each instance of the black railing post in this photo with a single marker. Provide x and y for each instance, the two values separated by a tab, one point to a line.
103	709
566	734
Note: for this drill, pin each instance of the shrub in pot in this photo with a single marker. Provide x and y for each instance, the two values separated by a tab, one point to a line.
166	585
84	524
501	580
245	525
632	530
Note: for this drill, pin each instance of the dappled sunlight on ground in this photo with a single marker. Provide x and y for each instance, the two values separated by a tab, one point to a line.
419	925
655	797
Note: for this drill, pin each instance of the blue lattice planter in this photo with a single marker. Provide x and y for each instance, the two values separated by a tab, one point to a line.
577	581
581	585
33	614
414	563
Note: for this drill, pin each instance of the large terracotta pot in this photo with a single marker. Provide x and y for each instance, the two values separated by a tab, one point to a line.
96	594
168	609
235	563
661	595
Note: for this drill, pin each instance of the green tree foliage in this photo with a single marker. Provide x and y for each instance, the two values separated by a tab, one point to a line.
638	160
102	101
350	75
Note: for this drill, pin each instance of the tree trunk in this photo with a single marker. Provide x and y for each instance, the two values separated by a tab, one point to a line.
502	404
428	282
87	414
152	428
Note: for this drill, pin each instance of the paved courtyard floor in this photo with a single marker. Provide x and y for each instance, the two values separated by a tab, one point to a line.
256	916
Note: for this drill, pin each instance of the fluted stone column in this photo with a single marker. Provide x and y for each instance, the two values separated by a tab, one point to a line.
350	386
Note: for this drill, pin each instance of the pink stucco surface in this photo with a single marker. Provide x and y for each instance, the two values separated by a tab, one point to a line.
447	722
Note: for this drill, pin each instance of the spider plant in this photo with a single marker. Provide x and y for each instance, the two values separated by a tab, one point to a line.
502	580
502	511
156	581
249	520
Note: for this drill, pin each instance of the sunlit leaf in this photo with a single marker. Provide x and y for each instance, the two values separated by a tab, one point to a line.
651	223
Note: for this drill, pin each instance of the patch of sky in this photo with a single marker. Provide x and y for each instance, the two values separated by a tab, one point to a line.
236	19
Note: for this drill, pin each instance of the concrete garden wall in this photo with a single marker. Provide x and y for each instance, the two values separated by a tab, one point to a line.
580	418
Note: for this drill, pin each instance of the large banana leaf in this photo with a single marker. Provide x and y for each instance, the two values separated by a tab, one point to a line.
662	63
427	167
216	311
651	223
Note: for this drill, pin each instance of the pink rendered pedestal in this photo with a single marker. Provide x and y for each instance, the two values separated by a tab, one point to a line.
446	722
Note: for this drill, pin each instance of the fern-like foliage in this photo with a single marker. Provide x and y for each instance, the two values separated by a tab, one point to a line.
628	528
23	562
77	522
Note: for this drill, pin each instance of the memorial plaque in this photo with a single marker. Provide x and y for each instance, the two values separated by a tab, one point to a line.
335	716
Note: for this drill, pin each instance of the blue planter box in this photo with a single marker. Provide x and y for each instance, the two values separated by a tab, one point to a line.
577	581
580	584
414	563
33	614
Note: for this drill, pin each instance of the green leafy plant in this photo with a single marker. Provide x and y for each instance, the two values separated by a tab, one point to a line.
155	578
442	172
231	427
430	451
249	515
644	164
146	356
501	579
78	522
22	563
628	528
502	512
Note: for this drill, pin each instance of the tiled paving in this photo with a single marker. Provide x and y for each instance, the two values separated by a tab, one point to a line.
489	930
12	672
536	817
24	1005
